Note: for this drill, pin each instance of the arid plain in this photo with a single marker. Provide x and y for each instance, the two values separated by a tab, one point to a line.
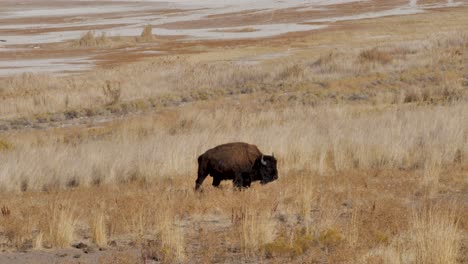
106	105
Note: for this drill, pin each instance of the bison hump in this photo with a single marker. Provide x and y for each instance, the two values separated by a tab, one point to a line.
237	155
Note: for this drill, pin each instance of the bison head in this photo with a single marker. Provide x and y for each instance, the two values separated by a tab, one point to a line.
265	168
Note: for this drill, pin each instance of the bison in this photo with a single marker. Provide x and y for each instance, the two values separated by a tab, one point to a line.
241	162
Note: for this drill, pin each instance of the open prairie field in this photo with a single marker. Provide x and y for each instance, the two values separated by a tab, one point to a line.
105	107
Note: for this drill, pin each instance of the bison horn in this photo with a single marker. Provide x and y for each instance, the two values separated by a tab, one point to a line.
263	162
273	154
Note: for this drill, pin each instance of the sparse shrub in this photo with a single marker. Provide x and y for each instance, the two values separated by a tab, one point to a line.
20	123
71	114
182	126
5	145
330	237
458	157
380	236
328	63
152	250
112	92
141	105
89	112
278	247
41	118
294	72
72	182
375	55
411	95
299	242
302	242
90	40
87	40
147	33
403	50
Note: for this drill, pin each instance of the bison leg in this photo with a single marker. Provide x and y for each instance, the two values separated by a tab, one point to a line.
238	181
216	181
199	181
202	173
246	181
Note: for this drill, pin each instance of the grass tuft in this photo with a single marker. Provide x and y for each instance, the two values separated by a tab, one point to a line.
375	55
60	224
99	229
5	145
89	39
147	33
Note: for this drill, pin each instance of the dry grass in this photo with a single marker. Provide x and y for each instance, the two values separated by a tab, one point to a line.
5	145
375	55
157	83
432	170
433	237
167	217
148	149
16	226
99	229
147	33
256	228
38	241
369	141
436	237
112	90
60	224
173	244
353	228
89	39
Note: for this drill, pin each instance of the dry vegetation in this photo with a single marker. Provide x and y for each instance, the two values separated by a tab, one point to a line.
93	40
372	145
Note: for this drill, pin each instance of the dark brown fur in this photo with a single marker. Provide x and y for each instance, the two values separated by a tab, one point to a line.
240	162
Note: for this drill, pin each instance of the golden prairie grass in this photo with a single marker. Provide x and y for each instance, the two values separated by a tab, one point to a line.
358	138
166	216
435	234
158	82
315	155
351	167
60	224
38	241
431	173
352	233
433	237
256	228
173	244
99	229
